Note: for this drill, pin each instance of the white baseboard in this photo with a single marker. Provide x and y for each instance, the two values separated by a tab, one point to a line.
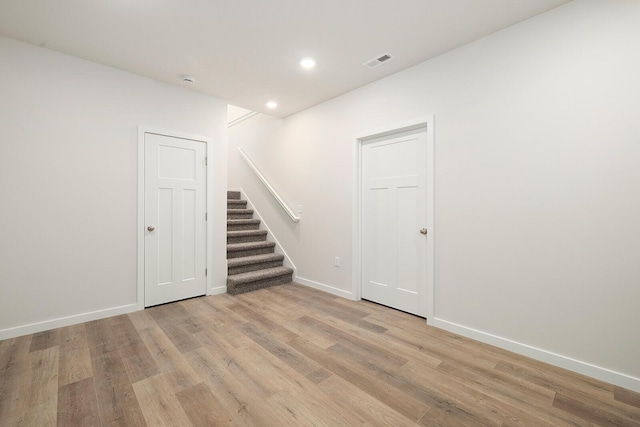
217	291
33	328
597	372
322	287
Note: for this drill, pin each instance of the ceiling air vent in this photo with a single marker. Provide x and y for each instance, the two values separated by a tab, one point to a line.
373	63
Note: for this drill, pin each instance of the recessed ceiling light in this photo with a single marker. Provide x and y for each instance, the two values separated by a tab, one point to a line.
272	104
308	63
188	79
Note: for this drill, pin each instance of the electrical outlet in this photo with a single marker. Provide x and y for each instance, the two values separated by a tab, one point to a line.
336	261
299	209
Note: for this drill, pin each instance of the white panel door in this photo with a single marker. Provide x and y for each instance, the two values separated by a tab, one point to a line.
175	223
394	217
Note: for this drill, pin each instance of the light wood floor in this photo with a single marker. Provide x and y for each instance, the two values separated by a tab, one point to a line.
284	356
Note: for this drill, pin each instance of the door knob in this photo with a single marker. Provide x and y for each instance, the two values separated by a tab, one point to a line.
151	228
423	231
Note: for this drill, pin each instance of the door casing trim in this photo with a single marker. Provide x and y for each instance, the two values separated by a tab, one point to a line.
358	140
142	130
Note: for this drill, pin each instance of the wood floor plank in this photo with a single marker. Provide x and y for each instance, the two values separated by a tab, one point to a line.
499	384
319	375
354	316
135	356
171	317
45	339
261	369
536	401
160	406
230	392
572	385
295	394
203	408
436	398
311	412
380	354
478	404
293	397
264	375
75	357
288	355
406	405
13	351
78	404
594	413
142	320
240	362
117	402
285	308
100	337
13	360
401	349
272	328
626	396
36	402
273	309
350	397
442	350
169	360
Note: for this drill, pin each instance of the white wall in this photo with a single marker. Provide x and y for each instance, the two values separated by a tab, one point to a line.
68	182
537	184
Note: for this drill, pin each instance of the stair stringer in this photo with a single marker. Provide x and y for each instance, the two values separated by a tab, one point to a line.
264	226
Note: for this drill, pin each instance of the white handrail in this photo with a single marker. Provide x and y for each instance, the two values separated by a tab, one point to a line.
274	193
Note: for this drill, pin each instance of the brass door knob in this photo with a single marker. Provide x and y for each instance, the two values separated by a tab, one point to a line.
423	231
151	228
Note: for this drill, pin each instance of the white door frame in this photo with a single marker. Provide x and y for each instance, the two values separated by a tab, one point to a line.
360	139
142	130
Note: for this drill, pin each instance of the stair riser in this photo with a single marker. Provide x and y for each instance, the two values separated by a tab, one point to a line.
254	267
246	239
259	284
249	252
240	227
240	215
233	195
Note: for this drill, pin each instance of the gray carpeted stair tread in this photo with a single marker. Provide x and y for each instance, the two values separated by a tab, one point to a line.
242	221
240	236
253	276
231	247
254	259
246	233
236	202
239	211
234	195
237	224
233	289
243	224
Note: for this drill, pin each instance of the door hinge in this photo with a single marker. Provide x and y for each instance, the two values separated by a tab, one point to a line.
205	161
205	216
205	271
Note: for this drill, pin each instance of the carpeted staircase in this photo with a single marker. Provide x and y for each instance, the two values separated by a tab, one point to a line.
252	263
